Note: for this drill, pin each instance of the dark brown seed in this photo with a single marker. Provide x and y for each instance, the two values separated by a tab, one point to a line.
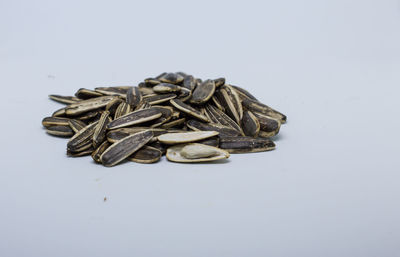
160	146
188	110
256	106
84	93
88	115
246	144
122	109
118	134
64	99
243	94
134	118
60	131
134	97
55	121
217	103
219	82
157	99
203	92
113	105
235	99
146	90
166	115
222	118
76	125
184	94
250	124
146	154
172	78
227	103
152	81
88	105
224	131
113	91
165	88
189	82
268	126
125	147
82	137
85	152
100	130
173	123
212	141
99	151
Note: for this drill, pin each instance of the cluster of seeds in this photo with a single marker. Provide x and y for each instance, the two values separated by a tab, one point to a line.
183	117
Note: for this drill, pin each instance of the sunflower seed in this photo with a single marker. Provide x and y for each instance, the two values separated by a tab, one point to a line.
228	104
99	151
157	99
250	124
64	99
134	97
189	153
246	144
185	137
112	106
223	131
165	88
76	125
255	106
100	130
118	134
55	121
84	93
223	119
113	91
122	109
189	82
171	78
134	118
146	154
85	152
203	92
219	82
152	81
60	131
188	110
268	126
173	123
88	105
82	138
125	147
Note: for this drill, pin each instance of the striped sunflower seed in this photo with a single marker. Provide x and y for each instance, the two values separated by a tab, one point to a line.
125	147
134	118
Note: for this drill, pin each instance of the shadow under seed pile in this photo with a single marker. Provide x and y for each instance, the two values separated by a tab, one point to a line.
173	114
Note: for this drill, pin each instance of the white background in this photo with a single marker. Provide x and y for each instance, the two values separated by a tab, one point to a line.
331	188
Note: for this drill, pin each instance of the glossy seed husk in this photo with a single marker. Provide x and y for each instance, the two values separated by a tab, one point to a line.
203	92
134	118
246	144
188	110
125	147
250	124
146	154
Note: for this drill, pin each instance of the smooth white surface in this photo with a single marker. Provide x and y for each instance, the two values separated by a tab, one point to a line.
331	188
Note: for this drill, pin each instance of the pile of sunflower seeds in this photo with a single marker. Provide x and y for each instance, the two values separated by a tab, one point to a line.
173	114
